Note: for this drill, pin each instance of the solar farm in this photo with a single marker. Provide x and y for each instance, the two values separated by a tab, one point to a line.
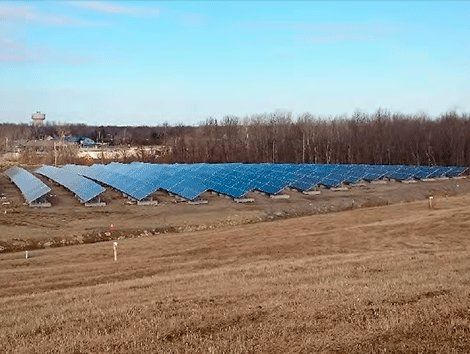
218	277
139	257
188	182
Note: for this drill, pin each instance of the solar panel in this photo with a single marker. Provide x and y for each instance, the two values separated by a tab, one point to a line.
138	180
456	171
84	188
128	185
227	184
182	180
30	186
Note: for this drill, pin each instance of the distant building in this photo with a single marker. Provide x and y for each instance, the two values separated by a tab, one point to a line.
80	140
38	119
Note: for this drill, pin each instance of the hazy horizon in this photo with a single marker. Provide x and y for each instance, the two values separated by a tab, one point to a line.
146	63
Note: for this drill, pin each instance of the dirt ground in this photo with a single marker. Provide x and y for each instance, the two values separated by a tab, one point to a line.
388	279
69	222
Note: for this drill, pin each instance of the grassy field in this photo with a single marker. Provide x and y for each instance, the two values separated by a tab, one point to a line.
385	279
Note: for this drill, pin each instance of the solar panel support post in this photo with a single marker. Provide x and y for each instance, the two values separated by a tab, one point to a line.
26	254
279	196
311	192
244	200
430	204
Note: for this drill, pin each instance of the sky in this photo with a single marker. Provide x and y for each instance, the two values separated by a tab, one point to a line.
146	63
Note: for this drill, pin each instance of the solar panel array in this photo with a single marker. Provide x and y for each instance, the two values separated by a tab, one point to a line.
30	186
82	187
132	187
189	181
140	180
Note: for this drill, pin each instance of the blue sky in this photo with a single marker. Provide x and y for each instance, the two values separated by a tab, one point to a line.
181	62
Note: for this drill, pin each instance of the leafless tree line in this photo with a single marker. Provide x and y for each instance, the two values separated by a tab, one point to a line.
379	138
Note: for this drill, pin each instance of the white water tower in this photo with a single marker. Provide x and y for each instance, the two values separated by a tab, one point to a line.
38	119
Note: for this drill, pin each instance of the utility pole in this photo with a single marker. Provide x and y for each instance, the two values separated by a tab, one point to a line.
303	147
273	149
55	154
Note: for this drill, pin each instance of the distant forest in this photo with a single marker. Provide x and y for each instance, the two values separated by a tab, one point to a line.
378	138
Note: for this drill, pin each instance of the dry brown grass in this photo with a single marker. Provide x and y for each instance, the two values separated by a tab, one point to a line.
386	279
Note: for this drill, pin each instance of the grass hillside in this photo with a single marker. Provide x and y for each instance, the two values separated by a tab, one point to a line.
385	279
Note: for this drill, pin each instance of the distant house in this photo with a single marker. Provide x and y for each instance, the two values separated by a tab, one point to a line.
80	140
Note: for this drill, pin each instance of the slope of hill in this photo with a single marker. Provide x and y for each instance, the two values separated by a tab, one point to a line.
392	278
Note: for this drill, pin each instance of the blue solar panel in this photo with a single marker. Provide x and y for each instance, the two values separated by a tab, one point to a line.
439	171
138	180
456	171
82	187
126	184
306	182
182	180
30	186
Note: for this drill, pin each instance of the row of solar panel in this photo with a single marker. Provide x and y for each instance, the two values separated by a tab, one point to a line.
82	187
30	186
189	181
140	180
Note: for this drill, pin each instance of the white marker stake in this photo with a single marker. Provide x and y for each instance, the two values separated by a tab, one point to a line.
430	202
115	250
26	254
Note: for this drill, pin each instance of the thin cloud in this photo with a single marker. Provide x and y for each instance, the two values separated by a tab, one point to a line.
14	51
29	14
321	33
311	26
116	9
192	19
11	52
354	32
337	36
